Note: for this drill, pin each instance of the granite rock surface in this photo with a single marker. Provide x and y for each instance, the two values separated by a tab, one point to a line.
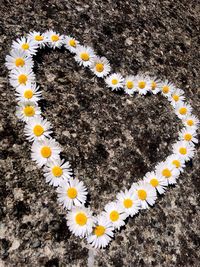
110	139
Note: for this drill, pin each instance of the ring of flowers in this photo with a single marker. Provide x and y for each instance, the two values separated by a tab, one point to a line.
45	151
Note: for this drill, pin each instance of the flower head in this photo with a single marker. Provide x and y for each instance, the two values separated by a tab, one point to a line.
157	181
21	76
54	39
17	59
114	81
100	66
84	55
27	110
184	150
167	171
70	43
25	44
28	92
129	202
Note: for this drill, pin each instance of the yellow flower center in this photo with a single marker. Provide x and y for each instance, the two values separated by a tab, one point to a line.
176	98
38	130
167	173
183	150
22	79
39	38
183	111
99	67
190	122
141	84
165	89
81	219
72	42
128	203
114	81
45	151
153	85
129	84
72	192
114	216
142	194
176	163
25	46
57	171
19	62
29	111
99	230
188	137
154	182
55	38
28	94
85	56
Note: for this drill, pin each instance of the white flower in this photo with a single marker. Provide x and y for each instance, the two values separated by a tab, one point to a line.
129	202
45	150
184	150
102	233
115	213
71	193
188	135
100	66
27	110
37	128
21	76
177	97
114	81
38	38
57	171
157	181
84	55
167	88
168	171
26	44
176	162
191	122
54	39
155	85
80	221
70	43
130	85
18	58
183	110
143	84
145	192
28	92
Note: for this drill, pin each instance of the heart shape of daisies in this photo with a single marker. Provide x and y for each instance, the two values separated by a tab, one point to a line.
45	151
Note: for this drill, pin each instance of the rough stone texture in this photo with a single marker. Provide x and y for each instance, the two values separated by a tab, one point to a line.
110	139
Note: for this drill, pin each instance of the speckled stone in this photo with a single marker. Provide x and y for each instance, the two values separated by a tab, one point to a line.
110	139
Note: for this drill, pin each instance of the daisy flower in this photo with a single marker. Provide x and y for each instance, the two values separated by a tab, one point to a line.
157	181
143	84
167	171
115	213
184	150
71	193
167	88
188	135
84	55
27	110
28	92
155	85
182	110
17	59
114	81
21	76
145	192
45	150
54	39
191	122
80	221
177	162
100	66
102	233
177	97
70	43
57	171
129	202
38	38
37	128
129	85
26	44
